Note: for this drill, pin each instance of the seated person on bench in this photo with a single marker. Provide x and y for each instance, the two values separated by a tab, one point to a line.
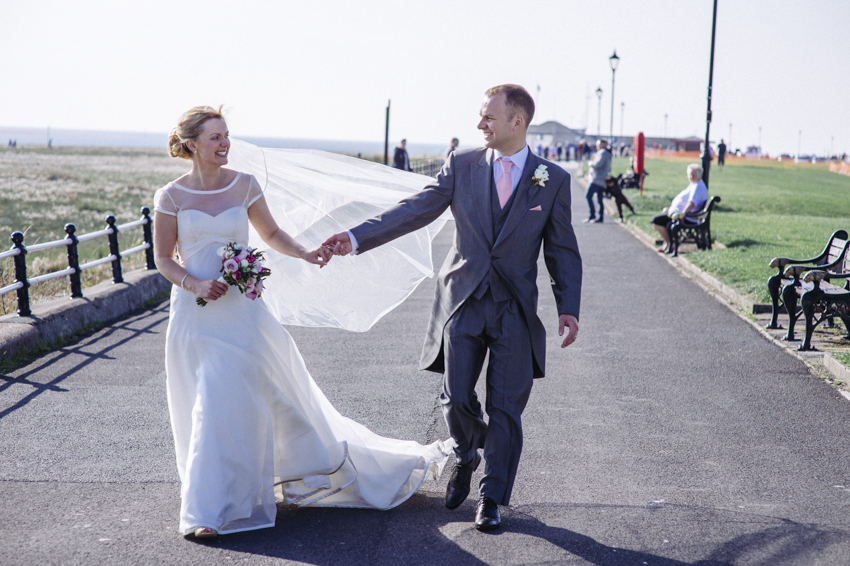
689	201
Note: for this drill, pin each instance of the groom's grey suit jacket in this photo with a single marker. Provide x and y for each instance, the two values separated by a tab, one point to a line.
538	214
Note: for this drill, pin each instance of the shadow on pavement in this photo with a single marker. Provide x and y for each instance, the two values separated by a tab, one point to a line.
423	531
82	348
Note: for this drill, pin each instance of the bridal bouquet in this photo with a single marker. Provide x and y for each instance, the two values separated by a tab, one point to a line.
242	268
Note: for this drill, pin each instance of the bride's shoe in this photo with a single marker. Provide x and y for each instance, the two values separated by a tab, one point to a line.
205	532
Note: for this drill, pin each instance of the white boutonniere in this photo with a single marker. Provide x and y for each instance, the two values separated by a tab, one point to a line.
541	175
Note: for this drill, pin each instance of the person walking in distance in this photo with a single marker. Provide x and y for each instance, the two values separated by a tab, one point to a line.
451	148
598	169
401	159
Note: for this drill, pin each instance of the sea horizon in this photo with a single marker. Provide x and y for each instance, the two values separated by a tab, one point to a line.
106	138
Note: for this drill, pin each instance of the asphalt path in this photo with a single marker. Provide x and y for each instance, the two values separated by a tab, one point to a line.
670	433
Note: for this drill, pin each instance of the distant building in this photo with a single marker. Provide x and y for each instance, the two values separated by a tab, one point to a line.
553	132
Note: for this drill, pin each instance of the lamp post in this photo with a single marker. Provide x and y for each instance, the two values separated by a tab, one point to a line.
599	113
730	135
614	60
622	112
665	125
387	136
706	154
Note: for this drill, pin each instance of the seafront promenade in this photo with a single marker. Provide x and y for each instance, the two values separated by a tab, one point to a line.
672	432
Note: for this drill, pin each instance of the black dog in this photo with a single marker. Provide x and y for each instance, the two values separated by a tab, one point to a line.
612	187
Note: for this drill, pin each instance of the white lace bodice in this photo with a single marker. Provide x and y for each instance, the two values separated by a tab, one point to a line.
207	220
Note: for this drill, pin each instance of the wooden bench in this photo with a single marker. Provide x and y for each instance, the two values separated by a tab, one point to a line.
786	283
694	227
825	300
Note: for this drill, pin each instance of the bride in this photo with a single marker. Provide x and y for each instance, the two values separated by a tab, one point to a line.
250	425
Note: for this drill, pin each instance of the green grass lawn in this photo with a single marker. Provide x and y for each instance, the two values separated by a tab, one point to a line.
768	209
42	190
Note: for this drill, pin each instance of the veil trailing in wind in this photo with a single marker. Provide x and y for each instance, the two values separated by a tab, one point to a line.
313	195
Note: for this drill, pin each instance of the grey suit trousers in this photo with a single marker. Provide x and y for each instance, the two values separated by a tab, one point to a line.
476	327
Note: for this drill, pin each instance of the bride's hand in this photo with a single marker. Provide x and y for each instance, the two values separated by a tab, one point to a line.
207	289
320	256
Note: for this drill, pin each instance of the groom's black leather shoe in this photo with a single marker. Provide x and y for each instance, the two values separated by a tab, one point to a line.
487	516
458	487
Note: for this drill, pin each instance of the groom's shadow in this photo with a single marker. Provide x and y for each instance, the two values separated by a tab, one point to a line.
423	531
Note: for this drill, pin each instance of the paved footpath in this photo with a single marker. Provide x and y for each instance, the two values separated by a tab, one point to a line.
671	433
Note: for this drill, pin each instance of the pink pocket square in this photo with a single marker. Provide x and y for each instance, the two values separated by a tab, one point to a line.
536	208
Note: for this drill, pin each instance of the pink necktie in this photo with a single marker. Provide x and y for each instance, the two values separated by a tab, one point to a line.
503	185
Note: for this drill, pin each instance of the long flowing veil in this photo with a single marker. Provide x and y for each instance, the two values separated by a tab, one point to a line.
313	195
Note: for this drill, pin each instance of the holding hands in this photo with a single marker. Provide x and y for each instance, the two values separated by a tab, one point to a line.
320	256
340	244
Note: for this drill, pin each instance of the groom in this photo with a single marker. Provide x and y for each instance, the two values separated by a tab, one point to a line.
505	202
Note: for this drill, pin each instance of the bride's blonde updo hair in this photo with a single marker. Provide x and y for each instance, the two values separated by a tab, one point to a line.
189	128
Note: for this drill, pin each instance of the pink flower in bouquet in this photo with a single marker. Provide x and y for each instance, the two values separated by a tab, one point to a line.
237	275
250	287
258	287
242	254
231	265
251	259
251	295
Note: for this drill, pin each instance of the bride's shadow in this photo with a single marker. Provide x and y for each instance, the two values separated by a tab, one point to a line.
423	531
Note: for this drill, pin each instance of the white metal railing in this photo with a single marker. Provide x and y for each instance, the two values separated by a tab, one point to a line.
19	252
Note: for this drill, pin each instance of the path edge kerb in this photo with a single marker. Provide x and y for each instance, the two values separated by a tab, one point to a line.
61	318
725	294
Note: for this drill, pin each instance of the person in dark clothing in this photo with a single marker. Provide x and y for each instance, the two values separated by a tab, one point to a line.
401	160
721	155
612	186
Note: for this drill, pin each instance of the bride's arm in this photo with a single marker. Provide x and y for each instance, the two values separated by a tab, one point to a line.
264	223
164	242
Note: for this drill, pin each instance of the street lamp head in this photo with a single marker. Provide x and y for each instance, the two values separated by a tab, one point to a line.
599	92
614	61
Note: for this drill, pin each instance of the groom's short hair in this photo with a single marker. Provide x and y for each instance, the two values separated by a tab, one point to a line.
517	99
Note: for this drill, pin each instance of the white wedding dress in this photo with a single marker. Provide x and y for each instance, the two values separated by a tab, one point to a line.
250	425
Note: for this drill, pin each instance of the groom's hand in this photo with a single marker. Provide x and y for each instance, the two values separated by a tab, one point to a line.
569	321
339	243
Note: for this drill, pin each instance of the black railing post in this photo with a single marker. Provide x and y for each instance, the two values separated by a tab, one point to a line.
148	235
21	274
74	262
113	249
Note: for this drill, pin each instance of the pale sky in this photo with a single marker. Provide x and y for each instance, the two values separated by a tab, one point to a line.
325	69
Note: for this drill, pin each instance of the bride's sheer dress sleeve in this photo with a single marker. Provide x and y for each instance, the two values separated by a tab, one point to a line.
315	194
164	203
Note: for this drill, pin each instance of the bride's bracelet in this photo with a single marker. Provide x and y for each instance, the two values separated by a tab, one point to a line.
183	281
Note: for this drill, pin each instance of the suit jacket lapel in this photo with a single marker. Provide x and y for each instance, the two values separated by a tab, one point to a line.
524	191
482	174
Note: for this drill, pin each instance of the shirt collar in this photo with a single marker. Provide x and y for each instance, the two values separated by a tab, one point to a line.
518	159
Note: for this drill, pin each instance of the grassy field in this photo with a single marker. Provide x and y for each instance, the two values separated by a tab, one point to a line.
768	209
42	190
